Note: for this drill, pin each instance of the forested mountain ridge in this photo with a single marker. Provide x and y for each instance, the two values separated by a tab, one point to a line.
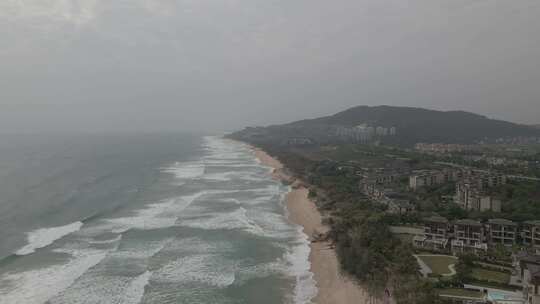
391	125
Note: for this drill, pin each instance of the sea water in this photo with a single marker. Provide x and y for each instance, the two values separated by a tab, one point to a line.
156	218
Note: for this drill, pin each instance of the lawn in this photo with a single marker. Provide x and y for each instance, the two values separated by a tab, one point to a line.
439	263
483	274
455	292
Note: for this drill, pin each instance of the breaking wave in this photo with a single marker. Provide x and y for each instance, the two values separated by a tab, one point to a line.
188	241
44	237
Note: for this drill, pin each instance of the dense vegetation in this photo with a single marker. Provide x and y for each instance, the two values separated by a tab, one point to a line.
521	200
366	248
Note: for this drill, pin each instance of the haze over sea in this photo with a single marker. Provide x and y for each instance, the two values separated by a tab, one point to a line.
155	218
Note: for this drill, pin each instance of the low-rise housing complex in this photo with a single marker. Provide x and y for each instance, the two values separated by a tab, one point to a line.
530	234
381	176
469	236
377	186
441	148
470	197
528	270
435	235
396	203
472	236
531	279
472	187
399	206
473	190
299	141
490	180
364	133
429	178
502	231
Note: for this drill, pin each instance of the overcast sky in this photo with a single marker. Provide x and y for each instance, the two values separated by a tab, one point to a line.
148	65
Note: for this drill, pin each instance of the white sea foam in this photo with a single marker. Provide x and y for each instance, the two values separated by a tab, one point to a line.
44	237
261	270
273	224
207	269
224	177
237	219
188	170
195	245
39	285
299	267
220	149
135	291
217	162
109	241
140	250
153	216
295	262
97	288
189	261
237	175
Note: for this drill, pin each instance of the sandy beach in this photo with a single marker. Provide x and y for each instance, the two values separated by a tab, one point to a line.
332	287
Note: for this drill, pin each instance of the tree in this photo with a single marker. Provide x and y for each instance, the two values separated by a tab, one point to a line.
464	268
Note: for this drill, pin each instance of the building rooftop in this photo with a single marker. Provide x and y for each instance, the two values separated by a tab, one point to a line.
534	269
402	203
527	257
436	219
502	222
535	222
468	222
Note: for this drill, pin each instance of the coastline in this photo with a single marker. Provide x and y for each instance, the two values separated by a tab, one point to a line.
332	287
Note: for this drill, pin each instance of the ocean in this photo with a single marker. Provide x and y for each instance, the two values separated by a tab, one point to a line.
148	218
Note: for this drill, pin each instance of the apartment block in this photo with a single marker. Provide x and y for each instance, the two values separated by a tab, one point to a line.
469	236
435	234
429	178
530	234
502	231
470	197
528	269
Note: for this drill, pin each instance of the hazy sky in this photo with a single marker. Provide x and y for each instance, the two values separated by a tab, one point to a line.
148	65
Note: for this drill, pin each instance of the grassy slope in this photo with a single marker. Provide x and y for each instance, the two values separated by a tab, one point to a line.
439	264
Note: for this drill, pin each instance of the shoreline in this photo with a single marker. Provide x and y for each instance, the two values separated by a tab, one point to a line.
332	287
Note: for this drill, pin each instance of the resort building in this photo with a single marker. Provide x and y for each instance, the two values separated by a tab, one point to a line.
501	231
386	178
399	206
530	234
440	148
363	133
429	178
491	180
469	197
468	237
528	269
424	179
298	141
531	280
381	176
484	180
435	234
395	202
372	190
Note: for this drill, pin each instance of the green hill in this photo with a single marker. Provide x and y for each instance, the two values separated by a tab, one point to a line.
411	125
